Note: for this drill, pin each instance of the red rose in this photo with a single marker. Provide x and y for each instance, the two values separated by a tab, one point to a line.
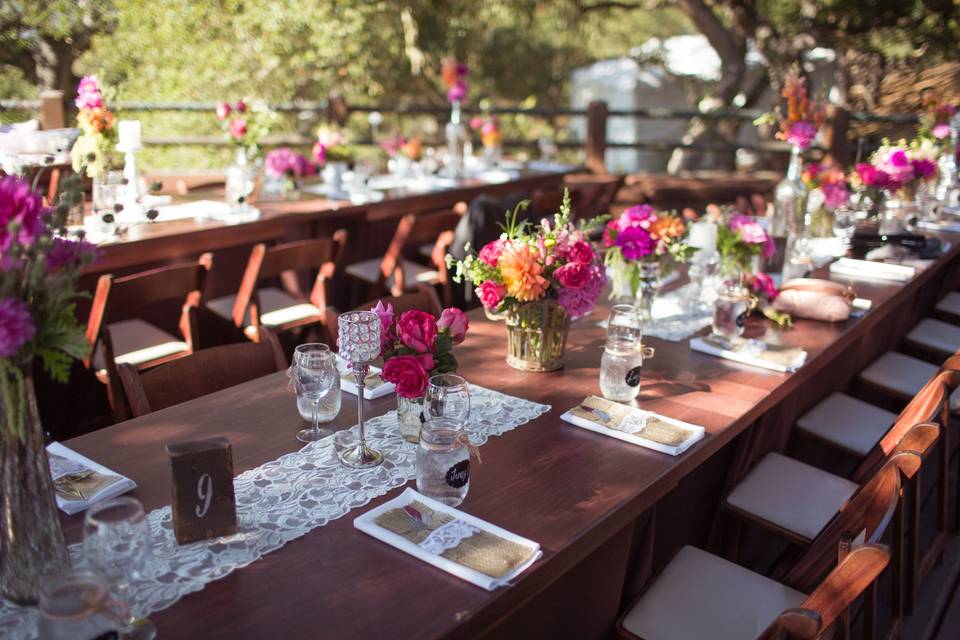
490	294
573	275
456	321
240	107
408	374
417	330
238	128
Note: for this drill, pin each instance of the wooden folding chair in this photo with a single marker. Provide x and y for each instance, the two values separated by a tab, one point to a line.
201	373
116	335
397	272
288	308
594	193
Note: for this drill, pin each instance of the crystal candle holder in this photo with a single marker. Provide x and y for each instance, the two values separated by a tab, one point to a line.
359	343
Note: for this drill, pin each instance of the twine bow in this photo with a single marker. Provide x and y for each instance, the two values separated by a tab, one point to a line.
471	448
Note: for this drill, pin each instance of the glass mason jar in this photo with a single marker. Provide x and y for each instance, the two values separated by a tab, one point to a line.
897	215
623	356
443	461
410	417
730	310
77	604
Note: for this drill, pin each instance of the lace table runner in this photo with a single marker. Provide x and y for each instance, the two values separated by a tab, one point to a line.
676	316
281	501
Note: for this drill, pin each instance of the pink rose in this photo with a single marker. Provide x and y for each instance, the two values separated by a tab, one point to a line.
240	107
417	330
490	253
386	325
456	321
223	110
941	131
238	128
581	251
572	275
491	294
409	374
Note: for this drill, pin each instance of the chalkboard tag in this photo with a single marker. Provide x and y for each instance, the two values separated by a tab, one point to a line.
633	377
204	505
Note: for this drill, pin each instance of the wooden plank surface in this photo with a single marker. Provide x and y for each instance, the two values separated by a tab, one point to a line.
571	490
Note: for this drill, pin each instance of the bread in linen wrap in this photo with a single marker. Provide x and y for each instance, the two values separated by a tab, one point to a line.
815	299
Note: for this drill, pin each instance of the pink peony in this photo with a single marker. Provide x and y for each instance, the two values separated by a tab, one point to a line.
491	294
641	215
897	165
409	374
581	251
223	110
573	275
941	131
579	302
801	134
22	214
284	161
635	243
238	128
872	177
386	325
456	322
490	253
417	330
88	94
750	231
763	285
16	326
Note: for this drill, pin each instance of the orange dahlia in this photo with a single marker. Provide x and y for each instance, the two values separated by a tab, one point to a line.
522	272
666	228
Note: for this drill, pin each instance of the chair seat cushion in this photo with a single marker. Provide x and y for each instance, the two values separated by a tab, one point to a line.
950	304
936	335
851	424
369	271
137	342
903	375
277	307
699	596
791	495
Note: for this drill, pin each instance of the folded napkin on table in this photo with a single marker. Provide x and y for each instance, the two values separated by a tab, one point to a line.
866	269
80	482
456	542
752	352
374	386
636	426
951	226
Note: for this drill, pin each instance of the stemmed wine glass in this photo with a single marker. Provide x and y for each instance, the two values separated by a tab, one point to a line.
359	342
314	372
447	396
116	542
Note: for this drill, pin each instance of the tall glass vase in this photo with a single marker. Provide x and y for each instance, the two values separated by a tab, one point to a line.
240	181
456	136
788	226
32	544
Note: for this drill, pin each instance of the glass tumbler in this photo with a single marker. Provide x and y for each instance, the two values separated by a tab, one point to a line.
447	396
443	461
730	311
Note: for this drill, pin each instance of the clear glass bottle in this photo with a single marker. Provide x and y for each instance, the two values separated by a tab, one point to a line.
239	182
443	461
623	355
788	226
456	136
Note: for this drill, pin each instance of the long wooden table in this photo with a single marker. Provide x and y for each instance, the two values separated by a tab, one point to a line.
589	500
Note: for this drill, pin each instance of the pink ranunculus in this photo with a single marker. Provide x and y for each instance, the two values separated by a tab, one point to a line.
22	214
408	374
238	128
835	194
223	110
491	294
635	243
801	134
924	168
456	322
764	286
240	107
581	251
417	330
573	275
941	131
16	326
457	92
490	253
750	230
385	313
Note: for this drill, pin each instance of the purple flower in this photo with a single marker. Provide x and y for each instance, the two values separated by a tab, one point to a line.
285	161
457	92
635	243
386	325
68	253
16	326
22	214
924	168
801	134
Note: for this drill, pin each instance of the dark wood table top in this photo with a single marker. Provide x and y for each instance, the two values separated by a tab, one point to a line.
565	487
176	239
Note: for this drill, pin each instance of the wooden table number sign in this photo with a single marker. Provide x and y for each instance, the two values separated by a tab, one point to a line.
204	505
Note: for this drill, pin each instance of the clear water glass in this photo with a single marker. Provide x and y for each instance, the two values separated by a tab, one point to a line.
730	312
77	604
844	223
116	543
447	396
443	461
314	373
623	354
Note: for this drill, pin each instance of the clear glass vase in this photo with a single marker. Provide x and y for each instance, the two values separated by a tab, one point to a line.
537	336
240	181
32	544
648	278
788	225
410	417
456	134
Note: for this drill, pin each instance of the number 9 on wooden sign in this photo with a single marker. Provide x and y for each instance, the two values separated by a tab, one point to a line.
204	505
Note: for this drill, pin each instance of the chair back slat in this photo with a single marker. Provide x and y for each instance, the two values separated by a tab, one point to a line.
301	255
794	624
157	285
201	373
847	582
427	227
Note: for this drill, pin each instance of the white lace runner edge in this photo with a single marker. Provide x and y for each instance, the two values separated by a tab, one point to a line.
281	501
674	321
447	536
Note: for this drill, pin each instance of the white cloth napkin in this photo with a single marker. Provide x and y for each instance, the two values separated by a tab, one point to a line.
747	354
869	270
348	382
112	491
367	524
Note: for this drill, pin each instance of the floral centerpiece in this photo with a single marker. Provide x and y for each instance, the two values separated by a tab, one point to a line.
804	117
287	167
415	347
936	122
455	132
333	155
454	76
490	137
93	152
244	125
741	241
538	278
828	191
894	177
37	323
642	245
